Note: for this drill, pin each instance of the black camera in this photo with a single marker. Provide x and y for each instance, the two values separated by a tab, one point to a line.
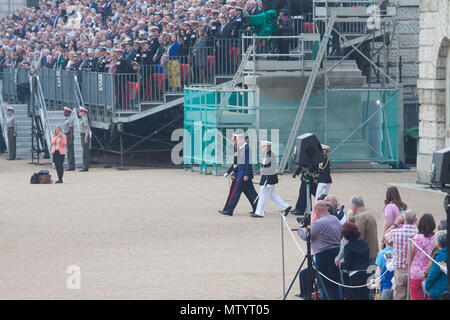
304	221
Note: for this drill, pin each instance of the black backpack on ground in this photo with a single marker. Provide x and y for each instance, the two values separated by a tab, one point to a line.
35	178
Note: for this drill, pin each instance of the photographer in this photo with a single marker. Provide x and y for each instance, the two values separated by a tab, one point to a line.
325	236
285	29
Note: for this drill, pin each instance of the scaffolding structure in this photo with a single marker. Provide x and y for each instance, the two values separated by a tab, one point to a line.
360	121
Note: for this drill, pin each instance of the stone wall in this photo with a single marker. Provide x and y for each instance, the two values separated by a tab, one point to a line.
433	83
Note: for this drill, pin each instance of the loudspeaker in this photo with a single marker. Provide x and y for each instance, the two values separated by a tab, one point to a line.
308	150
440	167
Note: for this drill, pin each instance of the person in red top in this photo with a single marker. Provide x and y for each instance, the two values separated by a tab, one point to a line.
59	142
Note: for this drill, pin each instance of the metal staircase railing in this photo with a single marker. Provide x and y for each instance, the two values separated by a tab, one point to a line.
3	119
307	93
40	101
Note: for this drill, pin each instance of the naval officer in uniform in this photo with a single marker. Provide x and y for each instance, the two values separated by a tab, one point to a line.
11	124
324	180
243	174
269	179
68	131
84	133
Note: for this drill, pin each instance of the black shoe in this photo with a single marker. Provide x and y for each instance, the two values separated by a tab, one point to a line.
58	181
296	212
69	169
228	213
84	170
251	212
286	212
256	216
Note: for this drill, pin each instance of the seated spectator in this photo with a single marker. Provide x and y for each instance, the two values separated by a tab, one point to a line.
437	283
419	261
356	262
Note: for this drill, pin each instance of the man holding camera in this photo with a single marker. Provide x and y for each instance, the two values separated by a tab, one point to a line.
285	29
325	234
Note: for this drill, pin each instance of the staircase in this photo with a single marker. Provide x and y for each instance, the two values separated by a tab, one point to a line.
57	119
23	138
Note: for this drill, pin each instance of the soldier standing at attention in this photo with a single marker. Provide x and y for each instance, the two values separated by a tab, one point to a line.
68	131
84	132
11	124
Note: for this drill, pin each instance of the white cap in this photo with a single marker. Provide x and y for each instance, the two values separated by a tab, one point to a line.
83	109
265	143
10	108
324	146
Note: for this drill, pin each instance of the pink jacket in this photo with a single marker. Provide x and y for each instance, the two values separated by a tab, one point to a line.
62	144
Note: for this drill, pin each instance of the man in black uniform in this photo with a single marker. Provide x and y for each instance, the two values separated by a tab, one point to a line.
300	206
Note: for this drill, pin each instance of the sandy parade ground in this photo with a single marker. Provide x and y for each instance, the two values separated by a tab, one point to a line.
156	234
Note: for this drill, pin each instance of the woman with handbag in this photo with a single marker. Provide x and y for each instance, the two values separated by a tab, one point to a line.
59	142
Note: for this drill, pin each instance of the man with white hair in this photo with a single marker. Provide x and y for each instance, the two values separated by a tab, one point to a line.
243	174
399	234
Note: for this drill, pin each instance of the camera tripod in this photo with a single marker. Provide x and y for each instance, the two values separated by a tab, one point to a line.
306	223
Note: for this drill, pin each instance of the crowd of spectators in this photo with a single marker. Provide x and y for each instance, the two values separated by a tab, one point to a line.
347	251
117	36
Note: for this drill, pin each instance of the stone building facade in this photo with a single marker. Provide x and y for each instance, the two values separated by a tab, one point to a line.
433	83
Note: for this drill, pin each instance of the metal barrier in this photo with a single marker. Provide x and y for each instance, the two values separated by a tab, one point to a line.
227	56
11	78
3	118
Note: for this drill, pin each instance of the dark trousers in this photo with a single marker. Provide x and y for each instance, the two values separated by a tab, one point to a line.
11	144
359	279
58	159
301	201
283	48
237	187
85	147
325	264
70	154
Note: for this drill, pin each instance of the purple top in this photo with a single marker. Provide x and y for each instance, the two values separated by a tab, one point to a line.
326	233
391	210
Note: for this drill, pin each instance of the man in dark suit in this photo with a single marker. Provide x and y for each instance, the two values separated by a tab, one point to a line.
229	172
243	174
223	36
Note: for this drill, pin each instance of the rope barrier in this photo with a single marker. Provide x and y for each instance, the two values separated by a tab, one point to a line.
371	283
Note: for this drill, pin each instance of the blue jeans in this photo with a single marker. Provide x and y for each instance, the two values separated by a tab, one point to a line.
325	264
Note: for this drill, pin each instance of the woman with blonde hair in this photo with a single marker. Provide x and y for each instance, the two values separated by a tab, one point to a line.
59	142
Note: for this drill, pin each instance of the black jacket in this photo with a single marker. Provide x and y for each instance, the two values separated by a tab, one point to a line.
356	256
325	171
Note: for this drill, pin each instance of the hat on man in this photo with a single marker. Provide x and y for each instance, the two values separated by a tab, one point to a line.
83	109
265	143
10	109
67	109
325	147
